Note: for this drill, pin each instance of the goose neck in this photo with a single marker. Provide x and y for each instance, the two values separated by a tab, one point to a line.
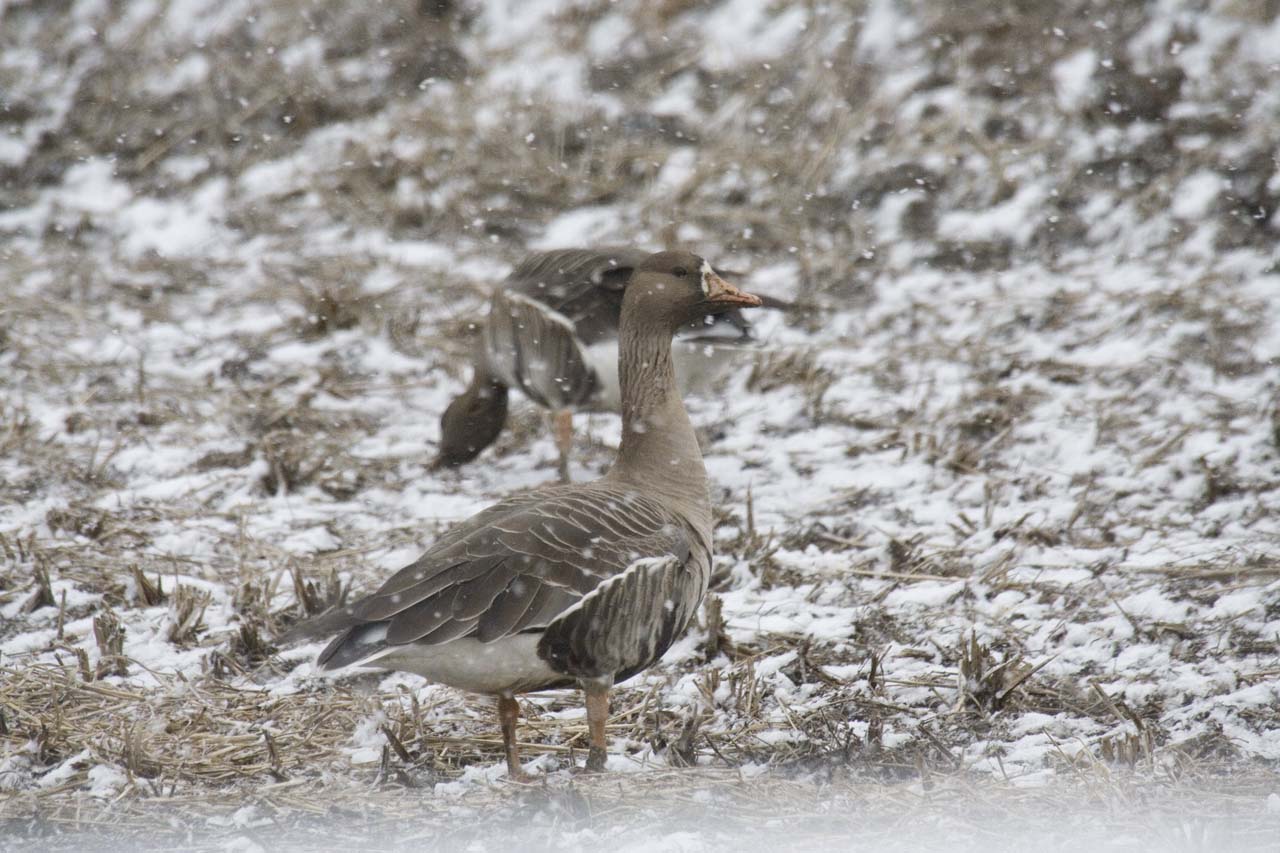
659	447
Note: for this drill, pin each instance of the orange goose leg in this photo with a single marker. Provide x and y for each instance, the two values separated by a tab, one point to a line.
597	716
563	422
509	715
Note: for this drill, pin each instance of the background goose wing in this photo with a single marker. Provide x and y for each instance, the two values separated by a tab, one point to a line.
528	562
545	316
530	346
583	285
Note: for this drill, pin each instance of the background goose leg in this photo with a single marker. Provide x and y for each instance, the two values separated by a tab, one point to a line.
562	420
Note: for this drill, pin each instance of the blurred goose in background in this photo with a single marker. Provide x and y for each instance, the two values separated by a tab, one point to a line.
552	331
582	584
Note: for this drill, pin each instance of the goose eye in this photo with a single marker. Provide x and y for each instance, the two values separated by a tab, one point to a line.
680	272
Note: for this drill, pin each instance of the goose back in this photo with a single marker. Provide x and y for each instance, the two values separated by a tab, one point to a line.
542	562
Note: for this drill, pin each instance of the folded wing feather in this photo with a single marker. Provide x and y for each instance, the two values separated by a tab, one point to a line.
515	567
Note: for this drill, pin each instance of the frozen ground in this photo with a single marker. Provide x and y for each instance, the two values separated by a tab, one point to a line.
999	530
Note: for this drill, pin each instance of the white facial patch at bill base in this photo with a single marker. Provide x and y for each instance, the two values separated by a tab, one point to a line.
706	271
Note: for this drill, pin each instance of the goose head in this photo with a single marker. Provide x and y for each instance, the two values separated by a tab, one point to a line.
673	289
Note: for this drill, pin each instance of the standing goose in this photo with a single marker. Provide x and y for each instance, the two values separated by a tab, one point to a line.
552	332
583	584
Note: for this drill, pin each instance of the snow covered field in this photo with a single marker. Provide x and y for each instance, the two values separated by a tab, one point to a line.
999	500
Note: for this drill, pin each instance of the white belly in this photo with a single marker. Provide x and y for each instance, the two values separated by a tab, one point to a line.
700	365
603	358
507	665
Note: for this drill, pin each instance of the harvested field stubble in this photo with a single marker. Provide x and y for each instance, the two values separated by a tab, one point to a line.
997	502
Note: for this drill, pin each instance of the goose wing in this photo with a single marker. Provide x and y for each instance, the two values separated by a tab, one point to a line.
516	567
626	622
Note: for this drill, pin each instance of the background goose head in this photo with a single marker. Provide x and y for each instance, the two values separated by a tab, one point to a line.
472	421
673	289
